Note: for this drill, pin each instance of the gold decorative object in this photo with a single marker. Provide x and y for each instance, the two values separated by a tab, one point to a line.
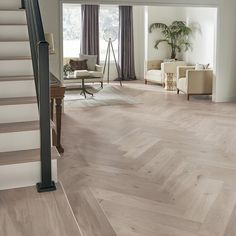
170	82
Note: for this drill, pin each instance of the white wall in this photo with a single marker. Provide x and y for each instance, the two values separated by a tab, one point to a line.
164	15
203	21
50	11
226	52
226	36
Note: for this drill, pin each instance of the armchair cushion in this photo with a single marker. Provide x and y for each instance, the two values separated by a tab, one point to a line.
154	76
91	61
182	84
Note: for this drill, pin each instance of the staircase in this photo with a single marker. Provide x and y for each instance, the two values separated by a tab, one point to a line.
20	164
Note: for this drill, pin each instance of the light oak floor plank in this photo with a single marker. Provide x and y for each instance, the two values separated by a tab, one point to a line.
24	212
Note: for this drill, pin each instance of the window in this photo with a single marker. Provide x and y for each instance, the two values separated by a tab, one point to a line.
71	30
108	25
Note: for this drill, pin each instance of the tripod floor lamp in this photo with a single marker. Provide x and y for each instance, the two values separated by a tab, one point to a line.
110	50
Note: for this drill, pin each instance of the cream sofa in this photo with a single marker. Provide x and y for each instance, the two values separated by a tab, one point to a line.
194	82
157	70
96	74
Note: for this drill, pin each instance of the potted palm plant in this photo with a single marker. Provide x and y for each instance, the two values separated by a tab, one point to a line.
176	35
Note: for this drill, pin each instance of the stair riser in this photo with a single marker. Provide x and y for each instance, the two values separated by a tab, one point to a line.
12	17
14	89
19	113
13	32
23	175
10	4
14	49
16	67
18	141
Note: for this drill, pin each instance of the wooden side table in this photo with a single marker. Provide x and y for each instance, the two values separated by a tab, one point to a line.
57	95
170	82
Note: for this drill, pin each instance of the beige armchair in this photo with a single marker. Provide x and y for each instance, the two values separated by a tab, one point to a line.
194	82
153	72
157	70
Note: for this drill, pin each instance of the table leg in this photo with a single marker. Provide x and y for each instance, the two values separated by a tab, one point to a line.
52	107
84	90
58	124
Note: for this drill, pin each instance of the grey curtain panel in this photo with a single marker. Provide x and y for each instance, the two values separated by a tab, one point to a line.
126	43
90	30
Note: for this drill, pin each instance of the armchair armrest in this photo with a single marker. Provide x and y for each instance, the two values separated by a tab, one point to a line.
99	68
199	81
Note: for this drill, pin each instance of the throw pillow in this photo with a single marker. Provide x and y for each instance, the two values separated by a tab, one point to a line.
199	67
169	60
91	61
78	65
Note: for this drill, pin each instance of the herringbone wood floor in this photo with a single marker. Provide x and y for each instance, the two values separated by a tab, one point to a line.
164	167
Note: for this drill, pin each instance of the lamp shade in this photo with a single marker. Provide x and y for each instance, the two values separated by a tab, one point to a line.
49	38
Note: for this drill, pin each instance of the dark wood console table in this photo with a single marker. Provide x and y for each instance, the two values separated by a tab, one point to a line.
57	95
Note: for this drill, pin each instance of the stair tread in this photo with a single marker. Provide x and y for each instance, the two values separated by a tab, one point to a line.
17	101
15	58
14	40
12	10
17	157
19	126
16	78
12	24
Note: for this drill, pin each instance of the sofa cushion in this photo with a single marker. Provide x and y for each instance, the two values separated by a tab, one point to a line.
91	61
95	74
78	64
81	73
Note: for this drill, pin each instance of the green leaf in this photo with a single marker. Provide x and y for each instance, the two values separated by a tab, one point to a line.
158	42
158	26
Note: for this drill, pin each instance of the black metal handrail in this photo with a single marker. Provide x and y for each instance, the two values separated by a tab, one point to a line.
40	59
